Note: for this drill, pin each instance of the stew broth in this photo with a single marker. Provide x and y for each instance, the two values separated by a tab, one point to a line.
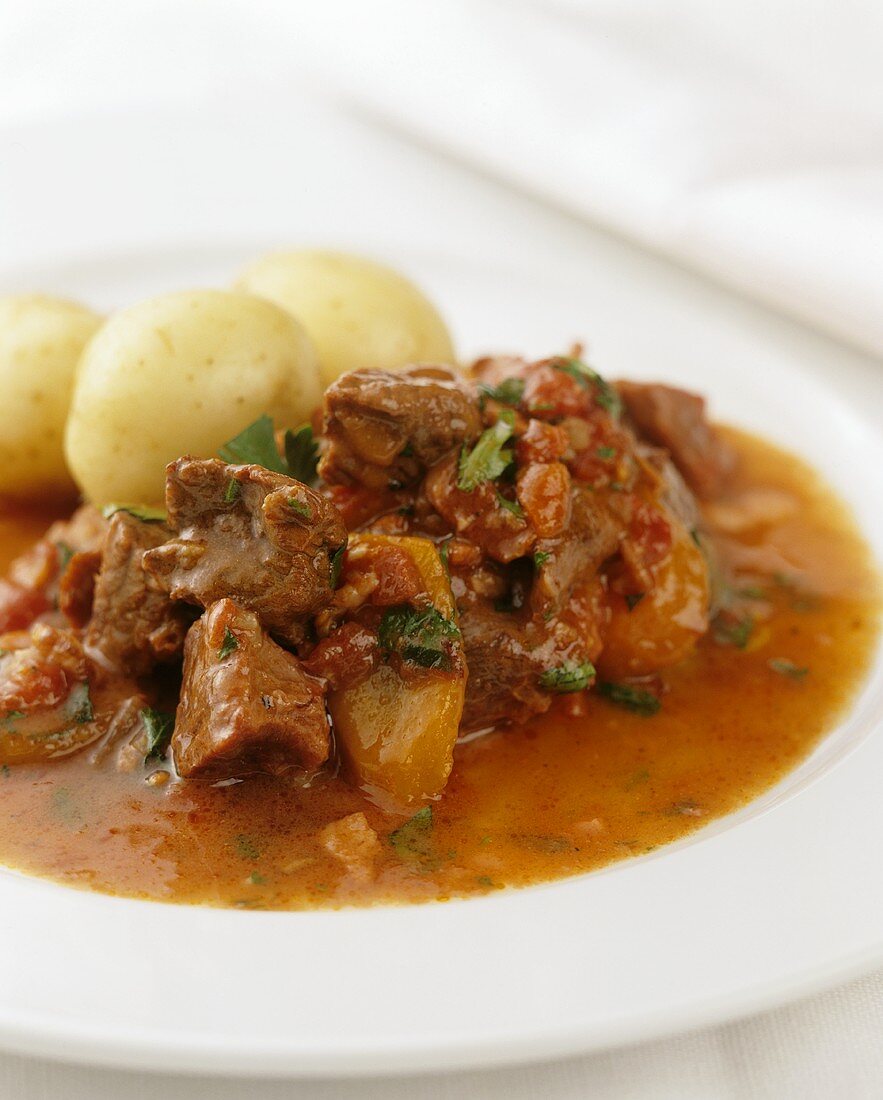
564	794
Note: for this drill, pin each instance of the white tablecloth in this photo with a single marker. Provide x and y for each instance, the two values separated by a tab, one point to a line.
57	61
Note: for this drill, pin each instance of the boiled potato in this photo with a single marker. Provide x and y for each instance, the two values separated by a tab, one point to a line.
41	339
182	374
397	737
358	313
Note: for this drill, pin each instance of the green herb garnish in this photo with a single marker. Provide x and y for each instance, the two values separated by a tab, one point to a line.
728	629
337	565
246	848
509	392
255	445
65	553
540	558
228	644
568	677
302	454
487	459
233	491
605	395
298	506
159	727
421	636
413	840
511	506
140	511
784	667
605	452
632	698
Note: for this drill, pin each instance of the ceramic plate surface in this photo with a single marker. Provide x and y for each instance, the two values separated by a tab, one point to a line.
779	899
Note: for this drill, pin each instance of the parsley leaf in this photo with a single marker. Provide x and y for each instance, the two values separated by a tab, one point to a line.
421	636
540	558
487	459
784	667
511	506
159	726
302	454
64	553
729	629
139	511
413	840
605	395
337	565
255	445
509	392
632	698
233	491
568	677
300	507
228	644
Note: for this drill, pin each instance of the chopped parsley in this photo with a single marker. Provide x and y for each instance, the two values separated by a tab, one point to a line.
540	558
511	506
65	553
337	565
606	396
784	667
487	459
228	644
140	511
300	507
421	636
246	848
605	452
413	840
635	699
509	392
729	629
302	454
233	491
255	445
568	677
158	726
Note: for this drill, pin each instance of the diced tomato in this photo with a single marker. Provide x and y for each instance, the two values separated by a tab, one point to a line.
550	394
541	443
19	606
544	493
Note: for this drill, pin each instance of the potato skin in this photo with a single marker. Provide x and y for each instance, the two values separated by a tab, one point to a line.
182	374
358	313
41	339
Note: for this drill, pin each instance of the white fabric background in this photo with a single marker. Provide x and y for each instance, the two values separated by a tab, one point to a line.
59	60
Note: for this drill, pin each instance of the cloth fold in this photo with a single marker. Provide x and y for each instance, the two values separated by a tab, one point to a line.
745	140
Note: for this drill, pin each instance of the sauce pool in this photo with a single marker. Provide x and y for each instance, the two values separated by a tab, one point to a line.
559	796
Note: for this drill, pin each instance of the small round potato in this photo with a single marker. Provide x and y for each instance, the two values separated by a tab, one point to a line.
182	374
359	314
41	339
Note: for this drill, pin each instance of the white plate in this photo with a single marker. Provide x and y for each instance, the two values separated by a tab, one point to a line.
778	899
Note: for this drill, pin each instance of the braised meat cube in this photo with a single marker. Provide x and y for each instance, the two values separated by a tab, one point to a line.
45	703
247	705
135	625
256	536
515	668
385	429
676	420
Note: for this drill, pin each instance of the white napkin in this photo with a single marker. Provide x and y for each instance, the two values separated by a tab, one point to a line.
743	137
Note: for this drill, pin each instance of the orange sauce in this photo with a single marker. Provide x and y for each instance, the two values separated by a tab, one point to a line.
560	796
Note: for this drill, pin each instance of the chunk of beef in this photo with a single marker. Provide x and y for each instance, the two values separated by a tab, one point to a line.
384	429
45	704
135	625
676	420
506	659
480	515
76	587
251	534
593	535
246	704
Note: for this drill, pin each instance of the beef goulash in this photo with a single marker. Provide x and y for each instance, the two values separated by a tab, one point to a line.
465	630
